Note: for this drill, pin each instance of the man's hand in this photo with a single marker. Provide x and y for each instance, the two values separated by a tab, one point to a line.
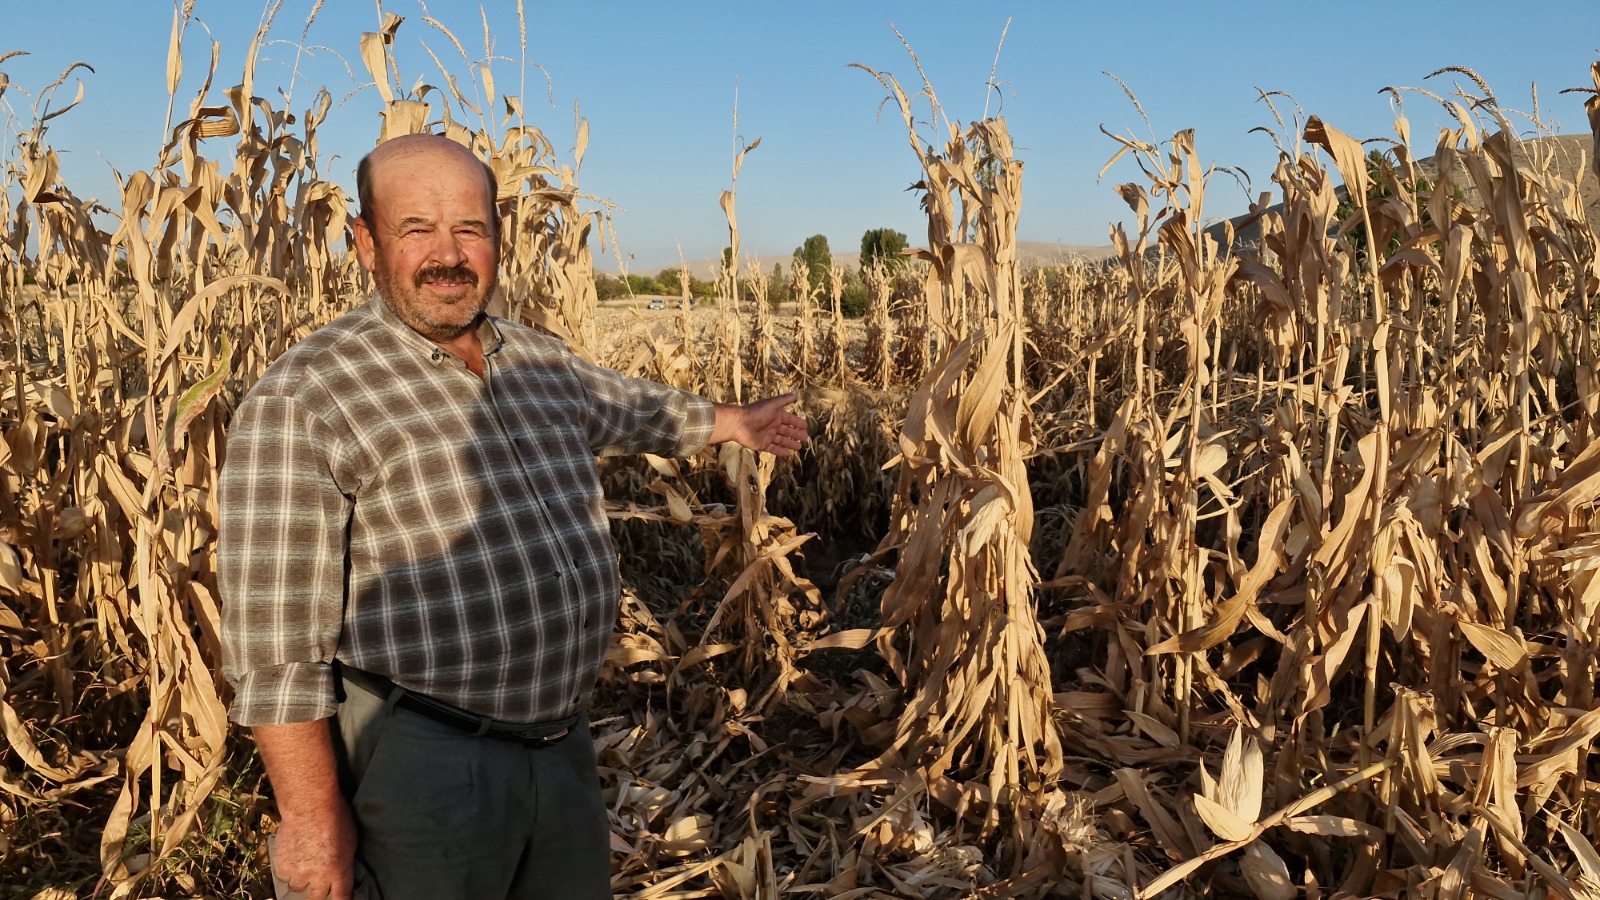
315	848
764	426
315	858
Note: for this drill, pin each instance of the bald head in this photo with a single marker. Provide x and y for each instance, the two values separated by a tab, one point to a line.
421	146
429	234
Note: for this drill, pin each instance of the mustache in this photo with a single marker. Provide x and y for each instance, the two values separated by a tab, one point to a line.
446	273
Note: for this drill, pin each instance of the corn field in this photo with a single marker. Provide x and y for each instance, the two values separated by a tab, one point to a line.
1253	567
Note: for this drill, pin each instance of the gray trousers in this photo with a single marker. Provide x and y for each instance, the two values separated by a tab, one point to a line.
442	814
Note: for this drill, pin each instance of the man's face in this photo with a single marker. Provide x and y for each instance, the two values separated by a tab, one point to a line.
432	247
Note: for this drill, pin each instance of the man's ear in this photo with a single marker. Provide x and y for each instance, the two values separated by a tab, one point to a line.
366	252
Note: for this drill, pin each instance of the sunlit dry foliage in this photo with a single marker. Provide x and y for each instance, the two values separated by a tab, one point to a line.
1317	614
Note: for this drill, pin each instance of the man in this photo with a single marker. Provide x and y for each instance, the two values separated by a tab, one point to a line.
412	537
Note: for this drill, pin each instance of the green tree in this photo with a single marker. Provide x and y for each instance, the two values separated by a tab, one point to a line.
1381	174
643	284
854	299
667	280
777	287
816	259
881	243
609	287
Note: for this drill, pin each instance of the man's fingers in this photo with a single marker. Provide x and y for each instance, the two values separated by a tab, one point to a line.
780	402
791	435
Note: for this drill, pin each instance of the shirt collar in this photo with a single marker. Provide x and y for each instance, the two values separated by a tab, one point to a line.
488	330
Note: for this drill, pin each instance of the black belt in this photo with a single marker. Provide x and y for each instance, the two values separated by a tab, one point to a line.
540	734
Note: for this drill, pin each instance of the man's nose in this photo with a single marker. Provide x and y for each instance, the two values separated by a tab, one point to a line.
447	250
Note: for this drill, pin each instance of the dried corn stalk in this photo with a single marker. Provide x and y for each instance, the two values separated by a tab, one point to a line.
961	637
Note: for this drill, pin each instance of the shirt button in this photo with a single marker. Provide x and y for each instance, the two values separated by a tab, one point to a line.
437	356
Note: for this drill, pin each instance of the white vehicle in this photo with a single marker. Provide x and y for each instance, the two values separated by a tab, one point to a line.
658	303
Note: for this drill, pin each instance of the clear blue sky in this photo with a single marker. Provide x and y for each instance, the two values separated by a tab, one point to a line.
658	81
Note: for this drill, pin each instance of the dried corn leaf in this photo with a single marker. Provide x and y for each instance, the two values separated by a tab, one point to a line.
1335	826
1456	878
1588	858
1506	652
1267	873
1562	757
1224	822
1240	783
1233	611
22	744
10	573
687	835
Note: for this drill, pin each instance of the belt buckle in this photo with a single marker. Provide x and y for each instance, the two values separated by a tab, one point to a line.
540	740
545	740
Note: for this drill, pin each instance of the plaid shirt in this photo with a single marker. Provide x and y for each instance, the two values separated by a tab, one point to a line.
382	504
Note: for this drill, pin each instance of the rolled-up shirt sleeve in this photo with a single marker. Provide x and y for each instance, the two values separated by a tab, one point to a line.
281	551
633	415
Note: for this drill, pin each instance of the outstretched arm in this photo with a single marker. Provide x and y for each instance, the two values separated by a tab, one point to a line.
765	425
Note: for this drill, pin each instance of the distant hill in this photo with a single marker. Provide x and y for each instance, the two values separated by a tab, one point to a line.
1032	253
1567	157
